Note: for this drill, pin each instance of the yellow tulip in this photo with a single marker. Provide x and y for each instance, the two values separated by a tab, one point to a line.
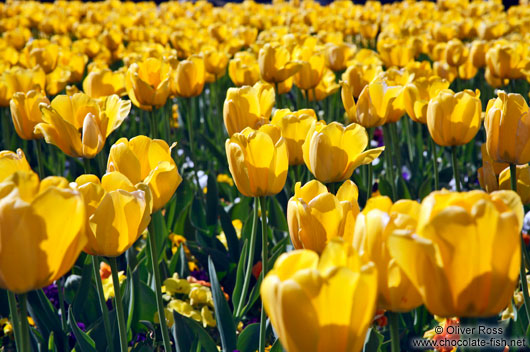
396	52
357	76
25	112
57	80
42	53
98	84
79	125
456	53
445	71
332	152
316	216
370	239
247	107
379	103
24	80
42	232
490	170
507	124
523	181
464	258
326	87
215	62
467	70
258	160
418	93
312	64
294	126
188	78
454	118
117	212
321	305
10	162
338	56
147	83
146	160
243	69
275	63
477	53
504	61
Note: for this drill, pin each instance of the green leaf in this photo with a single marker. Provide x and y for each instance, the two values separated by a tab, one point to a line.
182	334
277	215
373	341
403	190
223	315
277	346
197	215
45	316
161	234
212	200
207	343
85	343
253	297
240	274
230	233
51	343
425	188
248	340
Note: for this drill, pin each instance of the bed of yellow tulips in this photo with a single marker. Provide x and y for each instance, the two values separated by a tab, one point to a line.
264	177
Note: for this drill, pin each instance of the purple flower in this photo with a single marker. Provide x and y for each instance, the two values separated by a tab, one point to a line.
378	136
200	275
52	293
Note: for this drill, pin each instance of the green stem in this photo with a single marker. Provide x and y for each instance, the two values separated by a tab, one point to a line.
250	261
159	302
101	299
370	167
388	159
193	156
15	318
395	146
86	164
60	293
36	144
393	319
278	95
152	121
118	304
456	172
434	164
524	283
24	326
4	117
407	130
264	268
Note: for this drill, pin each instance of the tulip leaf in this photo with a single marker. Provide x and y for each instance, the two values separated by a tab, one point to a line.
373	341
403	190
161	234
425	188
182	334
248	340
240	275
223	315
85	343
44	314
231	236
51	343
212	200
198	215
201	335
219	153
241	209
86	292
253	297
276	346
277	215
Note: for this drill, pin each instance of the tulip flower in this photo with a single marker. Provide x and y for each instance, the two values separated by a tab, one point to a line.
275	64
215	62
98	84
24	80
464	257
358	75
243	69
312	64
324	304
258	160
117	211
489	172
454	118
247	107
294	126
339	56
378	104
332	152
477	53
147	83
10	162
445	71
326	87
523	181
396	52
418	93
188	78
42	53
25	112
316	216
456	53
505	61
79	125
42	231
146	160
507	124
372	230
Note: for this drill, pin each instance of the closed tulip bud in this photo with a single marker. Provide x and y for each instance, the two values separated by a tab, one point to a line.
215	62
487	174
247	107
117	211
456	53
316	216
346	94
418	93
507	126
98	84
321	305
42	232
188	79
396	52
243	69
359	75
464	244
380	103
332	152
326	87
147	83
445	71
504	61
477	53
146	160
523	181
10	162
42	53
310	72
24	80
338	56
467	70
57	80
372	230
294	127
275	64
79	125
112	38
25	112
258	160
494	81
454	118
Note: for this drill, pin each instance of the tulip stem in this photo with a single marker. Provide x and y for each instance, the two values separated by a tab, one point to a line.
118	304
101	298
456	172
86	165
250	261
407	130
278	96
159	302
15	318
370	167
393	320
524	282
36	144
24	326
434	164
152	121
388	158
264	267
